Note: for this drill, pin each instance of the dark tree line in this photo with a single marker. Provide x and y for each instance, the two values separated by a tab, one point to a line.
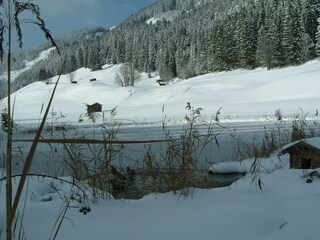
220	35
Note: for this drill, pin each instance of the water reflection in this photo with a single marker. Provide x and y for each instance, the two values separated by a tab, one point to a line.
146	182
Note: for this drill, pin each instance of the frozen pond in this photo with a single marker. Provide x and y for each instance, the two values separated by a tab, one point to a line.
50	158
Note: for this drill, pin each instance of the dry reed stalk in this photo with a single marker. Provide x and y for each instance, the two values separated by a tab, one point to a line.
30	155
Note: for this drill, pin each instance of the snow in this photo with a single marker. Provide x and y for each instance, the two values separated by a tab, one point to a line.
168	16
314	142
274	162
244	95
286	208
28	64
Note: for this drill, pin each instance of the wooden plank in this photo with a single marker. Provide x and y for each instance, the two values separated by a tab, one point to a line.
90	141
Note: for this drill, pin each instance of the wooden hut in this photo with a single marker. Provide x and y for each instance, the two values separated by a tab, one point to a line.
304	154
162	82
96	107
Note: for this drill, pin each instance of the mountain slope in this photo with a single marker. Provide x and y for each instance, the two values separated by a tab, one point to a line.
200	37
163	6
27	64
243	95
100	40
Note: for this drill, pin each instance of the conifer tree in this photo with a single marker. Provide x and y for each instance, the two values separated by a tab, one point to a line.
183	60
309	17
294	34
94	58
72	64
247	42
276	29
165	65
265	48
200	56
318	37
152	52
80	58
220	53
43	74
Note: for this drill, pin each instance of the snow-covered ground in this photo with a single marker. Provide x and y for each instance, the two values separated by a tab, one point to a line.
244	95
168	16
274	162
28	64
286	208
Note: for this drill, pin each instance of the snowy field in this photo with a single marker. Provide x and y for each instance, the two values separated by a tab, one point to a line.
286	208
243	95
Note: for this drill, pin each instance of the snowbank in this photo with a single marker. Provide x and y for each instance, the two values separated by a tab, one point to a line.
287	208
266	165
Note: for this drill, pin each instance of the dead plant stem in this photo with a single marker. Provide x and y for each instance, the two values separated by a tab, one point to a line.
30	155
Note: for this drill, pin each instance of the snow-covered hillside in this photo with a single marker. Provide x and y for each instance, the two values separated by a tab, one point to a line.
168	16
243	95
28	65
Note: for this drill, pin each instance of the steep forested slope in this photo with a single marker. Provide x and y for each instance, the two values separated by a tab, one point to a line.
217	35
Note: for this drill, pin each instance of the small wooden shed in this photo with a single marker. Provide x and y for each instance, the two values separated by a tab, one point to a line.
304	154
96	107
162	82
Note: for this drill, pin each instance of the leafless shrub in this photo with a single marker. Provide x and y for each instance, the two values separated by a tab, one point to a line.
261	145
177	169
278	115
256	174
301	128
127	75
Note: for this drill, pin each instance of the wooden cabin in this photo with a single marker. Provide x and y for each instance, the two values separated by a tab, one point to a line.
304	154
162	82
96	107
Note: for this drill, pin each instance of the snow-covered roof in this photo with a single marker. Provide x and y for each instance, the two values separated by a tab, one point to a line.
314	143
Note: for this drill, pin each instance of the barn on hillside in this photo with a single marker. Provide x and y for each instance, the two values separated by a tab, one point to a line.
304	154
96	107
